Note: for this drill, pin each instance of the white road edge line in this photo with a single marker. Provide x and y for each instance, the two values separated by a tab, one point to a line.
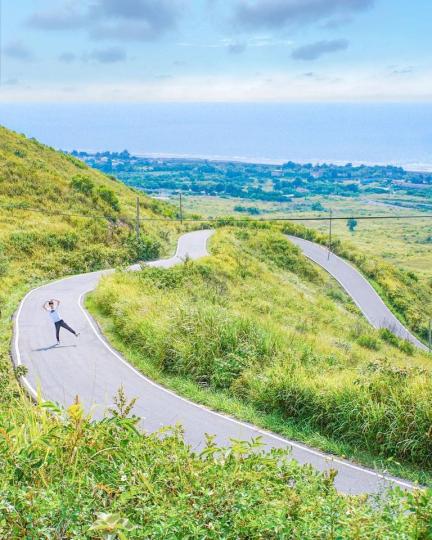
243	424
306	449
415	341
16	343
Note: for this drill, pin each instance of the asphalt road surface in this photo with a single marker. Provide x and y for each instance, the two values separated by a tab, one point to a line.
90	368
358	287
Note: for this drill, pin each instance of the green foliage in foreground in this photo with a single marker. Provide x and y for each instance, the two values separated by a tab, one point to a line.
65	477
253	321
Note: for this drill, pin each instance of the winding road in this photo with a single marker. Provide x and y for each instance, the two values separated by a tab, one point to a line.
90	368
358	287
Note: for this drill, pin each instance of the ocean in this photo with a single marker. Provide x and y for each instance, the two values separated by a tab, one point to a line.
391	133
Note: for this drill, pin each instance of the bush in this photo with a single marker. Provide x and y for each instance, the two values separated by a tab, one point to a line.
144	248
402	344
406	347
108	196
389	337
23	242
83	184
368	341
105	479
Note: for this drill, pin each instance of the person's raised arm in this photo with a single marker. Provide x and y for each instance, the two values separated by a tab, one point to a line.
45	306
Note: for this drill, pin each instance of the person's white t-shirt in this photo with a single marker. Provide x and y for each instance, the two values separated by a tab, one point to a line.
55	317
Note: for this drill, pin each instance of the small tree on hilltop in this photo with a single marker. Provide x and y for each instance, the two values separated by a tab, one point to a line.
352	224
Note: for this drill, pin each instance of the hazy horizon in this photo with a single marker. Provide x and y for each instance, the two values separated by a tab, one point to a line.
399	134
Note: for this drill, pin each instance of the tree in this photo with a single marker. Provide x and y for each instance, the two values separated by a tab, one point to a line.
351	224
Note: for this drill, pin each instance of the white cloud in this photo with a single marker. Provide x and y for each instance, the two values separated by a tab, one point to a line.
279	87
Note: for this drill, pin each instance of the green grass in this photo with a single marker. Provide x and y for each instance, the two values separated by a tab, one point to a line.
404	243
395	255
225	402
66	477
254	323
407	295
53	241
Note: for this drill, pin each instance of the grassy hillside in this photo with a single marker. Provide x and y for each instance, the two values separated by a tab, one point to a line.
394	254
38	178
257	321
407	295
58	217
64	476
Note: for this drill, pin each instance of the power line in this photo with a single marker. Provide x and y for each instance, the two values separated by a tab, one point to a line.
216	219
50	212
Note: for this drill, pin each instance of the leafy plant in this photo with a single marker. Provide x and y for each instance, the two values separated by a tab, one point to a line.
83	184
109	197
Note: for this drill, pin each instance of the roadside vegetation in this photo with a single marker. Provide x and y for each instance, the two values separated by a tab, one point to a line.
260	323
65	477
409	297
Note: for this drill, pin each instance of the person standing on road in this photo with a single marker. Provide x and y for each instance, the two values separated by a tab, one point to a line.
51	306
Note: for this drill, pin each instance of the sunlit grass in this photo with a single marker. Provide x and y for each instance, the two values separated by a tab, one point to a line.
259	322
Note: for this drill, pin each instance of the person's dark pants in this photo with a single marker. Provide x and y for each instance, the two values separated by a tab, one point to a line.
62	324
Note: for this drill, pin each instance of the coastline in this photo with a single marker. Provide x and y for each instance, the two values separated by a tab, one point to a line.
412	167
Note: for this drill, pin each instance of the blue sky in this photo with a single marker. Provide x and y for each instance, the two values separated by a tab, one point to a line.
216	50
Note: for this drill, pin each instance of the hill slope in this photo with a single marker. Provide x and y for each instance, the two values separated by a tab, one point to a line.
59	217
37	177
63	474
260	323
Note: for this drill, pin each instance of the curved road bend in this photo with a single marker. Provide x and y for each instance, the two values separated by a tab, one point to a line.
90	368
358	287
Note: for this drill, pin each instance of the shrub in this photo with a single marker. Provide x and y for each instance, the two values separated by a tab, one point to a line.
23	242
68	477
402	344
389	337
143	248
108	196
368	341
83	184
406	347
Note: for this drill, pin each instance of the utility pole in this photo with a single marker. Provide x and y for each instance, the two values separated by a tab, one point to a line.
330	234
181	208
137	223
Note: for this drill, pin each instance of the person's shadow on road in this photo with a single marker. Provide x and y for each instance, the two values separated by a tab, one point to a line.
55	346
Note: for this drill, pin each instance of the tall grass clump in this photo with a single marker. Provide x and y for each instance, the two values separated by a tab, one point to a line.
254	321
66	477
